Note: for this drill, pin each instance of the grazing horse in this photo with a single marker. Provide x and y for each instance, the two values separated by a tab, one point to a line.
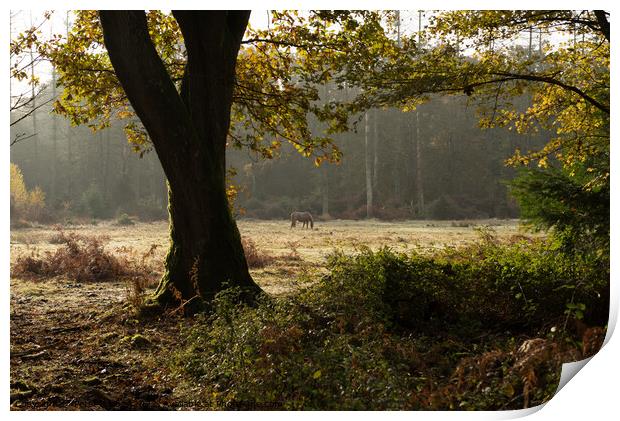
304	217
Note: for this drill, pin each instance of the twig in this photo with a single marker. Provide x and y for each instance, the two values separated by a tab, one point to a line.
36	349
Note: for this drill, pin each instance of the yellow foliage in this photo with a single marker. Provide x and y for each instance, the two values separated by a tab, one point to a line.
25	204
19	193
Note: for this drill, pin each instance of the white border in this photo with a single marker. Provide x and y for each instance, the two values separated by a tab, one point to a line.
592	394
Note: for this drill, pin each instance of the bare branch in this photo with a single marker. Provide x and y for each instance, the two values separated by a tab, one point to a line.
31	111
21	137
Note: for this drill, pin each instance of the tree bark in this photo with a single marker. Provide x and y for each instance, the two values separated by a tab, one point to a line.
188	130
35	167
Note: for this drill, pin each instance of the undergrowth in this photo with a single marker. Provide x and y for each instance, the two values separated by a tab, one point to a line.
84	259
482	327
254	257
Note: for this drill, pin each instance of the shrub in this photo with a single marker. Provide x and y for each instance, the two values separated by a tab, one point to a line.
393	213
462	224
576	208
348	203
93	204
143	274
59	236
291	356
253	256
20	223
270	208
390	331
521	375
124	220
527	283
355	214
80	258
123	194
447	207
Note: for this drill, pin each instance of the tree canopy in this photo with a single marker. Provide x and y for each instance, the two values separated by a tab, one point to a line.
566	77
279	72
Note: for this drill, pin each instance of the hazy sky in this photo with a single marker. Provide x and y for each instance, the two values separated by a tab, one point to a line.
24	19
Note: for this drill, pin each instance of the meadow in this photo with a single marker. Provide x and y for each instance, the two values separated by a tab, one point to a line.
288	250
332	334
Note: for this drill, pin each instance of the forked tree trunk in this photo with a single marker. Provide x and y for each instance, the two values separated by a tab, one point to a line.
188	131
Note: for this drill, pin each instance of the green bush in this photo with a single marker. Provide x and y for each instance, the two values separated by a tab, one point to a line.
391	331
123	220
287	355
573	205
92	203
523	285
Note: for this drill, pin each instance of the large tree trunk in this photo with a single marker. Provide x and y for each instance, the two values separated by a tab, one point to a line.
188	131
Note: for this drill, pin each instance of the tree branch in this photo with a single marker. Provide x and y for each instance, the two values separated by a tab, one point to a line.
552	81
30	112
20	137
146	82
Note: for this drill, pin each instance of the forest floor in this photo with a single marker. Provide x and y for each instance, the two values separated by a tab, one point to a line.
77	345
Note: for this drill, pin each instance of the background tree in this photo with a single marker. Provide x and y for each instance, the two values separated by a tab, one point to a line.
25	87
567	82
573	97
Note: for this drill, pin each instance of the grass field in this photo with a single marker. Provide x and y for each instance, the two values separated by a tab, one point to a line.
73	345
292	249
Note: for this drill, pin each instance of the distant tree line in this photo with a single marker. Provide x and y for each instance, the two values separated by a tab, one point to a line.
431	163
85	173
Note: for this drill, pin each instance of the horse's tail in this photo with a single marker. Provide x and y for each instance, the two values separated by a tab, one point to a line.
311	221
292	219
